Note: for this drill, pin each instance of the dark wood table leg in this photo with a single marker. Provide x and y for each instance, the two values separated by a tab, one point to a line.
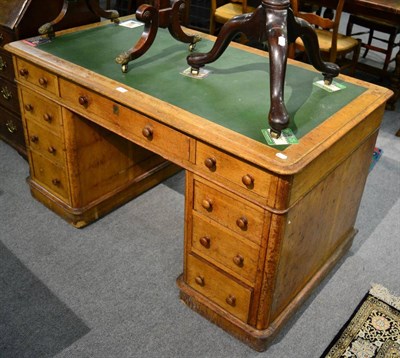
163	15
93	6
395	87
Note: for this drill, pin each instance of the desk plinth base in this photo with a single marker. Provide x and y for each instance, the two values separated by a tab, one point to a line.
257	339
83	216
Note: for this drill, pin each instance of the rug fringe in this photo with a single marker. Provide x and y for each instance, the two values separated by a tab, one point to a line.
383	294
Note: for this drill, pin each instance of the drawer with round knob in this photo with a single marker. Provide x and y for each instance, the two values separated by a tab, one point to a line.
227	169
219	287
43	111
29	73
50	175
229	210
50	146
214	242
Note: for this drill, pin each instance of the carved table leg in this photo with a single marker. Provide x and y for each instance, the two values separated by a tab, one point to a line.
160	15
93	6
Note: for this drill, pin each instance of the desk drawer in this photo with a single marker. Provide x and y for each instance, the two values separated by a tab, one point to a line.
90	103
11	130
219	244
9	95
216	163
50	175
6	65
37	76
219	288
156	136
40	140
229	210
45	112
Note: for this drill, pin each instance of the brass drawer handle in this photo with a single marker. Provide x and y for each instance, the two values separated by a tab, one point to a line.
210	163
11	126
248	180
205	241
6	93
242	222
231	300
43	81
147	132
83	101
207	204
200	280
56	182
51	150
34	139
28	107
23	72
47	117
3	64
238	260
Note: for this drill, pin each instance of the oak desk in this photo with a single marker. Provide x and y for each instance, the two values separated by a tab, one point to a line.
263	225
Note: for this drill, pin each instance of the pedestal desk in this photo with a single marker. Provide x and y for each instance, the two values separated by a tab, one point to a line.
263	224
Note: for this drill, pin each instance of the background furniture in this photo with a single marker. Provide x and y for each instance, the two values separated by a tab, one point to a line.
374	24
263	225
20	19
222	12
332	44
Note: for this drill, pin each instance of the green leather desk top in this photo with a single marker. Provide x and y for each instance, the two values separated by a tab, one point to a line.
234	95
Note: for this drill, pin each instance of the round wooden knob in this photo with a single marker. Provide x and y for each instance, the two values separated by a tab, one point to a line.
248	180
205	241
238	260
207	204
231	300
34	139
147	132
23	72
47	117
43	81
210	163
28	107
200	280
83	101
51	150
56	182
242	223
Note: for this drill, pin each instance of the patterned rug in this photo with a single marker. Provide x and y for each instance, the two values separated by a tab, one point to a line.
372	331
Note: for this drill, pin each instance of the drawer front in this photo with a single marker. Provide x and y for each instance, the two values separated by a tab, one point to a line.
45	112
37	76
9	95
50	175
230	211
6	65
213	162
89	102
156	136
11	129
219	288
221	245
47	144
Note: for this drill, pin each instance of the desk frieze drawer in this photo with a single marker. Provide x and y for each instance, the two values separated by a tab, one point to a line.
50	146
229	210
214	242
45	112
214	162
156	136
219	288
49	175
37	76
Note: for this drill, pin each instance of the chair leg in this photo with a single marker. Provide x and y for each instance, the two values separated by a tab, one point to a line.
391	40
356	55
370	37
